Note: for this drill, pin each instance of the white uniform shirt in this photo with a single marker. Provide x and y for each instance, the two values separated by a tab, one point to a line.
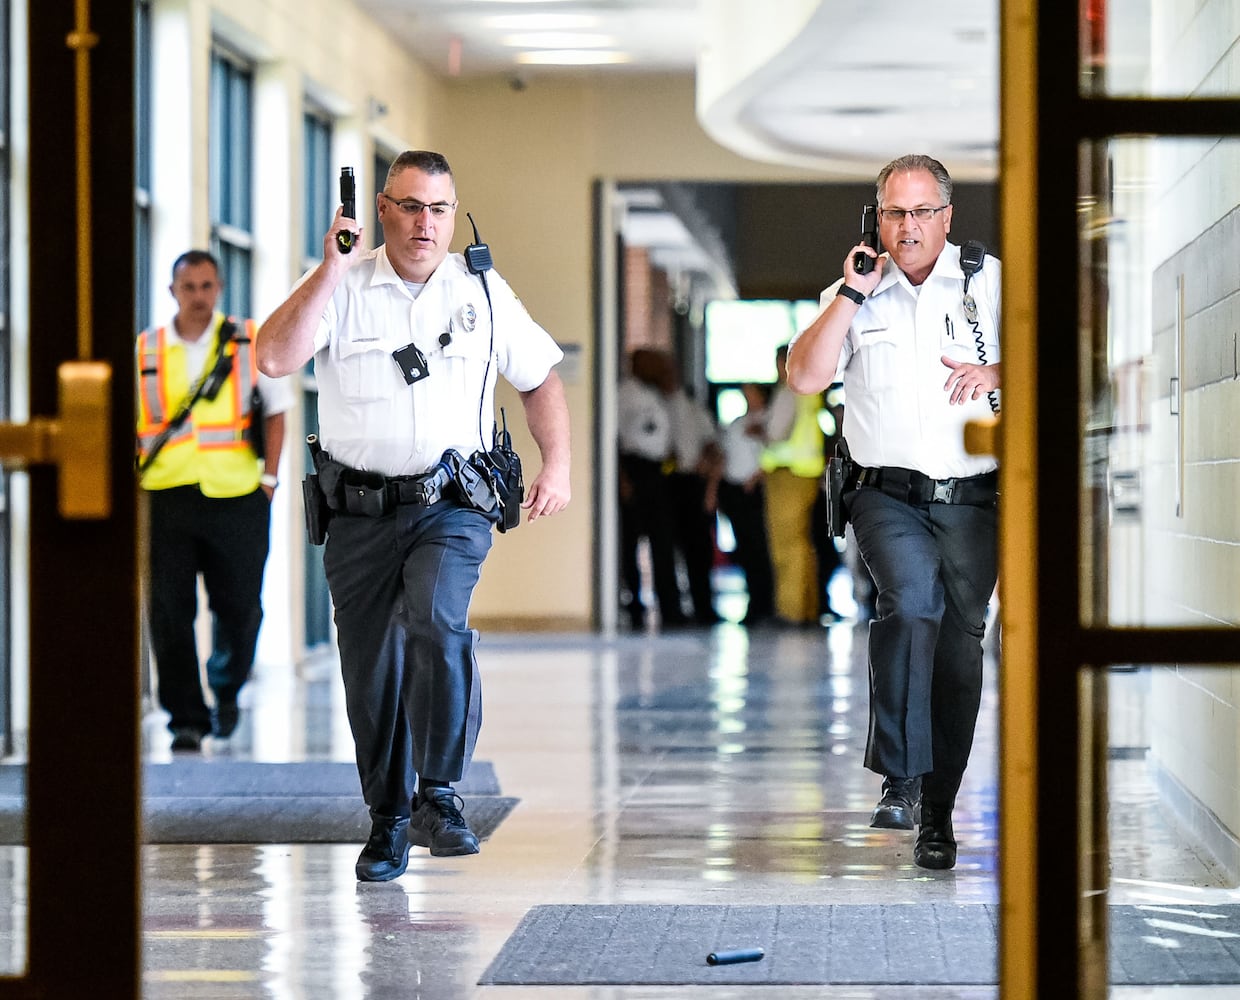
742	451
277	393
369	417
644	426
692	429
896	410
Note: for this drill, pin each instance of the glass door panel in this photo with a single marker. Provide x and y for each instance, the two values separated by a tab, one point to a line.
1160	237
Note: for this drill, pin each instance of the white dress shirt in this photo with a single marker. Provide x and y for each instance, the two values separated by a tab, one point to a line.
693	429
276	393
644	426
896	410
370	418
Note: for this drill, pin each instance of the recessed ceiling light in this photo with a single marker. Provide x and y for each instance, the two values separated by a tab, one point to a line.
558	40
540	22
573	57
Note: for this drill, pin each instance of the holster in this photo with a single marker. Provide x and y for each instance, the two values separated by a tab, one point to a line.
318	514
839	476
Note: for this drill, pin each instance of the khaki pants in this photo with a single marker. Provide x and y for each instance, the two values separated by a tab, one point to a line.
789	507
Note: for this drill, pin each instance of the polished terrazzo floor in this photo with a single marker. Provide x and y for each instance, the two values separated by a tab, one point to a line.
702	766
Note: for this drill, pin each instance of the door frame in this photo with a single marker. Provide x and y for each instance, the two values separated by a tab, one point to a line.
1053	842
83	758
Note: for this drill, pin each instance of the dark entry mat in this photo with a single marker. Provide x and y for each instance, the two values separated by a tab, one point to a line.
928	944
251	802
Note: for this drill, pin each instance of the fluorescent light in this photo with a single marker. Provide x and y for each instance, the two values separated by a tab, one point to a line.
558	40
573	57
541	22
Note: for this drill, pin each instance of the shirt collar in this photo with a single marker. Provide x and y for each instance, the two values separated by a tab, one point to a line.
946	266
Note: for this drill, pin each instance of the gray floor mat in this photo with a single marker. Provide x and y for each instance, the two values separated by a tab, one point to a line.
926	944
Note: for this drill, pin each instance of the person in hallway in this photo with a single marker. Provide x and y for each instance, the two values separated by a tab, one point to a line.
693	485
408	341
742	499
826	556
208	494
645	445
794	466
916	339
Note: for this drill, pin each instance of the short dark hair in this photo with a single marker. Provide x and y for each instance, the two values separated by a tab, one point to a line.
917	161
419	159
193	257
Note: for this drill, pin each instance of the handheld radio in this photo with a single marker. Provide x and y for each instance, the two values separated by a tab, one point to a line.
863	263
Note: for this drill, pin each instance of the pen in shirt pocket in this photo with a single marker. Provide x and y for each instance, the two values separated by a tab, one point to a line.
951	330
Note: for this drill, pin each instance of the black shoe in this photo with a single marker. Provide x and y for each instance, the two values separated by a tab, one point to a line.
386	854
437	823
936	842
186	740
897	809
224	719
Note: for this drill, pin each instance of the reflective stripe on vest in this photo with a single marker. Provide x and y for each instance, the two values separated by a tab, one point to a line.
210	447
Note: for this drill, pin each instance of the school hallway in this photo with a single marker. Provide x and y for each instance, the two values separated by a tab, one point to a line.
713	767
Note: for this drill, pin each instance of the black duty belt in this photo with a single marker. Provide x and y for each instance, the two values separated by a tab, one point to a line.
914	487
372	494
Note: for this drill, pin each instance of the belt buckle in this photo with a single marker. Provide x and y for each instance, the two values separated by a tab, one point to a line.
420	491
943	490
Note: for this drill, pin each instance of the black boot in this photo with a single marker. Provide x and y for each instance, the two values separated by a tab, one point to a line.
936	842
897	809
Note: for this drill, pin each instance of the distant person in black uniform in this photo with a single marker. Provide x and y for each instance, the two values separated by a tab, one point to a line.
645	451
693	486
742	499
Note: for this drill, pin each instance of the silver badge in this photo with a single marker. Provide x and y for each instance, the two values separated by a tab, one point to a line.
469	317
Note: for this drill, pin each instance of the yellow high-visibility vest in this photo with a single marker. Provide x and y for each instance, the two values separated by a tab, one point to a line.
210	448
802	452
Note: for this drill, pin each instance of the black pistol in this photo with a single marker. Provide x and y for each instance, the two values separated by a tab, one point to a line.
348	201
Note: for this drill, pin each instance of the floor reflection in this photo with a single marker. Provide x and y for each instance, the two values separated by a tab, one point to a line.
700	766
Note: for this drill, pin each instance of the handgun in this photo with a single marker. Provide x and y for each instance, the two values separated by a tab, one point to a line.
348	201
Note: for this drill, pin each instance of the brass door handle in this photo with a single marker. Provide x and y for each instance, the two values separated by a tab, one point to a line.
77	442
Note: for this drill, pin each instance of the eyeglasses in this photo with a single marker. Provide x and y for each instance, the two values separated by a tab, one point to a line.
920	214
411	206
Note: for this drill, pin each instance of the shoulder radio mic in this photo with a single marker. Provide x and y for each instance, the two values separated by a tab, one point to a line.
477	254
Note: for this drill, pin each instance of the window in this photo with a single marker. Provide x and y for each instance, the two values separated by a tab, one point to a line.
383	160
231	176
319	189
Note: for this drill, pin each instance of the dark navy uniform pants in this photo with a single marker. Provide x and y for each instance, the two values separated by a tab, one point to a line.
401	586
935	568
226	540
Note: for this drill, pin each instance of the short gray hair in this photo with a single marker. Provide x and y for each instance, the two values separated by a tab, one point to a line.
418	159
917	161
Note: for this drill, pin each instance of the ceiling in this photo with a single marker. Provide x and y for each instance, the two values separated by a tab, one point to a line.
849	93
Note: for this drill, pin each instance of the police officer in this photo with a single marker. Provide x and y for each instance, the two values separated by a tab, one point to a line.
407	342
916	339
209	496
644	433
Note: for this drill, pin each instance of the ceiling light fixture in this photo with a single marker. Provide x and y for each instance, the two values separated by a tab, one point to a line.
541	22
573	57
558	40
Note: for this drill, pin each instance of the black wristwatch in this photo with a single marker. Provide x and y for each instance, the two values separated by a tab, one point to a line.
851	293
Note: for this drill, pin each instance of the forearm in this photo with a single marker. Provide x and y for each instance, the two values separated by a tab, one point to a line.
273	442
546	413
815	355
286	338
